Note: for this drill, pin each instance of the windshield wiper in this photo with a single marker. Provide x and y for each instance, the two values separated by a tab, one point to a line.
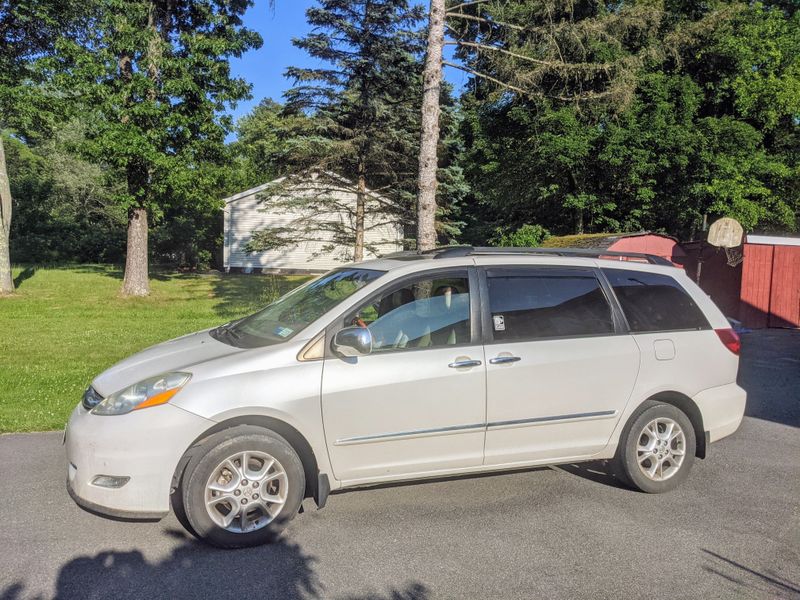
227	331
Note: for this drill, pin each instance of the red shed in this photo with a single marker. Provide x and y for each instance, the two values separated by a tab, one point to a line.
643	241
770	294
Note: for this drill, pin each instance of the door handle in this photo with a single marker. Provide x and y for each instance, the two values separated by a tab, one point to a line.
464	363
501	360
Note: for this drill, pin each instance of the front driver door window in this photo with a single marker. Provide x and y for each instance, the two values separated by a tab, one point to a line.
408	407
423	314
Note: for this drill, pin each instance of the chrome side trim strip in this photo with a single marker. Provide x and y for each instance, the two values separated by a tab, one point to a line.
416	433
603	414
454	429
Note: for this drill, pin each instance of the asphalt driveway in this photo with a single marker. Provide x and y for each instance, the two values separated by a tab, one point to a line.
733	530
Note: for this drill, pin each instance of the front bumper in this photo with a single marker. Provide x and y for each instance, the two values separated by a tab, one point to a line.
143	445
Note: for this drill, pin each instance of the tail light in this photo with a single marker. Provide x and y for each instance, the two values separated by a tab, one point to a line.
730	339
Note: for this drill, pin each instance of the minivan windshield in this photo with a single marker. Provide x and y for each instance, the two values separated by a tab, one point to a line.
291	313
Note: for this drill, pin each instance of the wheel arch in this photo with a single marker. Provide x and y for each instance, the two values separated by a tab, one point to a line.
687	406
296	439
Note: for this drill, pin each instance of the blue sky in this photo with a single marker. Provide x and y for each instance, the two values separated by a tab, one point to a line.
264	67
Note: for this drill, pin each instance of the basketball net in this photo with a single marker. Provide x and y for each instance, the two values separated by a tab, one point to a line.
735	255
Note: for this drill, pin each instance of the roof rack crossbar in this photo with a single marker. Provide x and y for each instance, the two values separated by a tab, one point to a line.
457	251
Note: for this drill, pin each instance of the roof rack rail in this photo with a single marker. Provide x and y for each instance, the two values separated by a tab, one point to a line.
450	251
457	251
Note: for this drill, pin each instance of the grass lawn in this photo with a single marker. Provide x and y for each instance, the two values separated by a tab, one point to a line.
66	325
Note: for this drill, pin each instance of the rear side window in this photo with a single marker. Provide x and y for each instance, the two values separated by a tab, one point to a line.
655	302
529	304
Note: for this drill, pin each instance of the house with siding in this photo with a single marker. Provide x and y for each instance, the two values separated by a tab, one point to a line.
250	211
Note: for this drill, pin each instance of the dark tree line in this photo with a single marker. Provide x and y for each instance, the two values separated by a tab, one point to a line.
675	113
578	116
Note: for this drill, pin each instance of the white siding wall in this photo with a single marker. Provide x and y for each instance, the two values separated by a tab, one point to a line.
244	215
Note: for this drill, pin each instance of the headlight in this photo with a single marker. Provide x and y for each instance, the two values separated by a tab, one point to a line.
150	392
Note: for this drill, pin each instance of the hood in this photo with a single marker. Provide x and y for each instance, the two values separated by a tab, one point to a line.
175	355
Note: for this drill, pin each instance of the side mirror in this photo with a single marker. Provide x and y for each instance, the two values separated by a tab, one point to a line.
352	341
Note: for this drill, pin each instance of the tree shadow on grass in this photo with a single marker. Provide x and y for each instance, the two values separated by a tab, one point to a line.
117	272
281	571
239	294
26	273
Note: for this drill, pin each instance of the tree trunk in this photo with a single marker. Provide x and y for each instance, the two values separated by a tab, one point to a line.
361	197
135	282
6	282
579	220
429	139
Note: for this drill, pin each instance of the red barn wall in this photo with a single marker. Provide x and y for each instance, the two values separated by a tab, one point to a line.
784	310
771	286
756	285
649	244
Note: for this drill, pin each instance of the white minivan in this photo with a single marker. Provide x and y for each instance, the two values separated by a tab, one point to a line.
457	361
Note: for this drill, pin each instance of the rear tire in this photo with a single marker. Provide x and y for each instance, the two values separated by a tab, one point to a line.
241	488
657	448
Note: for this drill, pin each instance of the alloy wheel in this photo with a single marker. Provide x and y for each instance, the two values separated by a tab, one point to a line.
246	491
660	449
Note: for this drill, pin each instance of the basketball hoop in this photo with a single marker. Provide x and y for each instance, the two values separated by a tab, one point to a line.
725	233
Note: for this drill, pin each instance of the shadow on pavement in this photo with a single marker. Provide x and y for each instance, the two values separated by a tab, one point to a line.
769	584
770	372
599	471
281	571
445	478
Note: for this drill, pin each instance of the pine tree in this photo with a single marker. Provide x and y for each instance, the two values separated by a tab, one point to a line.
429	139
551	52
363	106
156	75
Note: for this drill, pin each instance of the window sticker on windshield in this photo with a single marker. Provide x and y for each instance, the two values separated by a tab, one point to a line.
499	323
283	331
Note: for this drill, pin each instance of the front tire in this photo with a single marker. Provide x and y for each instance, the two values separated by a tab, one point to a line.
241	487
657	448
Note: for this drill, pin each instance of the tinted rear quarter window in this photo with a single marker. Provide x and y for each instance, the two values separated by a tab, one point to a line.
544	303
655	302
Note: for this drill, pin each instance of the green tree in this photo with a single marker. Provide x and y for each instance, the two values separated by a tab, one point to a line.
155	75
749	69
527	236
28	31
710	129
550	54
362	105
262	138
65	209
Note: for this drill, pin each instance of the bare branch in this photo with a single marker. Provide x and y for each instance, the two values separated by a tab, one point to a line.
544	63
490	78
531	93
465	4
482	20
